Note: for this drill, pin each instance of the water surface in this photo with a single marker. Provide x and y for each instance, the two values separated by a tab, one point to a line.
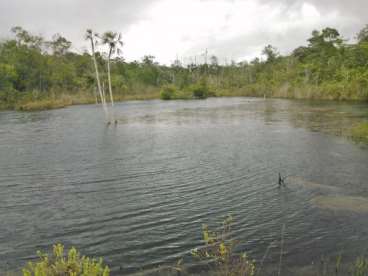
137	194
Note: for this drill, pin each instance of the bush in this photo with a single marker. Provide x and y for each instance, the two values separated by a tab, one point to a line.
168	92
60	265
8	98
199	91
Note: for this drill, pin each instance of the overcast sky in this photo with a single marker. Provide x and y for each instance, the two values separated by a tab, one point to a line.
166	29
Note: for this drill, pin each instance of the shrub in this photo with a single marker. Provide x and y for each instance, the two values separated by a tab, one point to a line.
7	98
168	92
199	91
70	265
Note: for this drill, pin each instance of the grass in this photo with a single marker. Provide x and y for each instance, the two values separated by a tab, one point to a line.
60	99
360	132
30	103
326	91
43	104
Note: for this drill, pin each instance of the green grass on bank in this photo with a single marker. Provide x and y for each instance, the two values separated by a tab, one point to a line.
36	101
334	92
360	132
53	102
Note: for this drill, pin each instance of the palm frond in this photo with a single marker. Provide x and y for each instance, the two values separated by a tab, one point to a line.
88	34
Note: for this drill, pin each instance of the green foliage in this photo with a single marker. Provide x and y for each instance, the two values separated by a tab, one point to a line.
327	68
219	249
171	92
200	90
360	267
8	75
168	92
270	52
69	264
360	132
59	45
363	35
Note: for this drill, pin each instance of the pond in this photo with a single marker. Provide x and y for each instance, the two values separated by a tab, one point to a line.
137	194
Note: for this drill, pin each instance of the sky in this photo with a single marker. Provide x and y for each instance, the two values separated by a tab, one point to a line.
168	29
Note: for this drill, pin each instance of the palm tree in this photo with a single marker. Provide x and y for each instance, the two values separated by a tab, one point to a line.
114	42
91	37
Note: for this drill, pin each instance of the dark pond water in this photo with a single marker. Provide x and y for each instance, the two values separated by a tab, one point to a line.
137	194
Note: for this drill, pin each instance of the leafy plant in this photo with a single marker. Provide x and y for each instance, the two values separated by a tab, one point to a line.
360	267
219	250
168	92
60	264
200	91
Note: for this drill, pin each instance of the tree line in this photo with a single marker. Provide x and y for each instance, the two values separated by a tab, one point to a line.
33	68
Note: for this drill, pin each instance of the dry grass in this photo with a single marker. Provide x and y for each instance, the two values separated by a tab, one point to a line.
43	104
65	100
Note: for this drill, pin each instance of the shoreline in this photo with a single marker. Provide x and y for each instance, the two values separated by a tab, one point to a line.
66	100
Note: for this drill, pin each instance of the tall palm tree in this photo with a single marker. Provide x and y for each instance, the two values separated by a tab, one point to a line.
91	36
114	43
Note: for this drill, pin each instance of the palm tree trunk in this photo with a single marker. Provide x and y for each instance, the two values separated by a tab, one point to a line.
103	101
110	89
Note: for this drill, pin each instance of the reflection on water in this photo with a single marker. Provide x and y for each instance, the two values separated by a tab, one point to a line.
301	183
342	203
138	194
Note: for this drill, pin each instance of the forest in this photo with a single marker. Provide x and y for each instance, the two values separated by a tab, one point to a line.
37	73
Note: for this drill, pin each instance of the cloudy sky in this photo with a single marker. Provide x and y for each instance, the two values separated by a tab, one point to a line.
166	29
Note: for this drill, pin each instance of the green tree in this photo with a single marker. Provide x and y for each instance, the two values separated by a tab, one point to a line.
363	35
59	45
271	53
25	38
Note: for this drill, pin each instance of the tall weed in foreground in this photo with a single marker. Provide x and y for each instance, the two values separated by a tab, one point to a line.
219	251
60	264
360	267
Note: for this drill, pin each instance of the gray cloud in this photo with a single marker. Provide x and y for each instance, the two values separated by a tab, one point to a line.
70	17
351	17
356	10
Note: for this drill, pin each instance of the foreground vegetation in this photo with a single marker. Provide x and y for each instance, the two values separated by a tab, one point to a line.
36	73
218	252
69	264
